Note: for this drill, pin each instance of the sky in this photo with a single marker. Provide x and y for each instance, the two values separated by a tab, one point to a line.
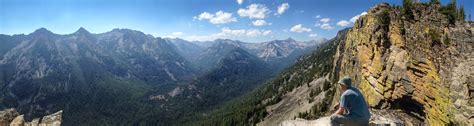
194	20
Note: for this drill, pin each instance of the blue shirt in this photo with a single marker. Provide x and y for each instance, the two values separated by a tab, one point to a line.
354	102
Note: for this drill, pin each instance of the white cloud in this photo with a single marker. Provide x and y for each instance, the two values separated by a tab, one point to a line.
240	1
354	19
253	32
204	15
260	23
174	35
230	33
226	32
317	24
177	33
325	20
200	38
219	17
343	23
282	8
299	29
326	26
313	35
258	11
267	32
317	16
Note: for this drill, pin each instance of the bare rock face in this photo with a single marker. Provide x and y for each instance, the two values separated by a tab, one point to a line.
10	117
52	120
18	121
407	64
7	116
324	121
34	122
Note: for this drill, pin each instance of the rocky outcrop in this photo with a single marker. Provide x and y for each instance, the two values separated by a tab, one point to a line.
421	65
52	120
7	116
324	121
10	117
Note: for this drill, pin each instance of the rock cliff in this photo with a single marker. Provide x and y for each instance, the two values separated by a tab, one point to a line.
421	64
10	117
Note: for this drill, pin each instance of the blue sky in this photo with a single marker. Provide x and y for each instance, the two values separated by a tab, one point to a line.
250	20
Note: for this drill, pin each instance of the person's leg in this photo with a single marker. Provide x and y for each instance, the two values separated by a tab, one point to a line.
336	119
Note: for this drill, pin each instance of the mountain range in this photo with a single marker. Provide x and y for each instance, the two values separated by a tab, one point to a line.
82	73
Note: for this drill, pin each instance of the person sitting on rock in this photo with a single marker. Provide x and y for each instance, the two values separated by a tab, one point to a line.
352	101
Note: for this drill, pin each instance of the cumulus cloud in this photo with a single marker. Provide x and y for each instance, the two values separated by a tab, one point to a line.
260	23
313	35
325	20
219	17
299	29
326	26
354	19
230	33
240	1
282	8
343	23
257	11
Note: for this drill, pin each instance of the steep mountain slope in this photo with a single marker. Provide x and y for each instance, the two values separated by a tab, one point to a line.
212	55
414	60
236	73
155	58
189	50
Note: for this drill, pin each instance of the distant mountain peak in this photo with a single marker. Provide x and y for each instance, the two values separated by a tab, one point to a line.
42	31
128	31
222	40
290	39
82	30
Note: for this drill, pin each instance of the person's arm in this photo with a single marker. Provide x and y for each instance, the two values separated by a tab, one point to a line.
341	105
340	111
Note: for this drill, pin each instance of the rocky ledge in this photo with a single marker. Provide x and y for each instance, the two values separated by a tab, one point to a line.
378	118
13	118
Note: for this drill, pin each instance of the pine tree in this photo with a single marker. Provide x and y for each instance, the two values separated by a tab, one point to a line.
450	11
461	15
452	5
